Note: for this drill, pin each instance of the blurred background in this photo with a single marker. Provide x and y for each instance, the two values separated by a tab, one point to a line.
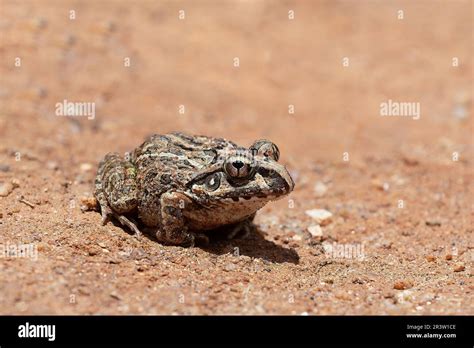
282	62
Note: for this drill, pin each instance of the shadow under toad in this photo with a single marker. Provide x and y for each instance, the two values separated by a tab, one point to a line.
254	245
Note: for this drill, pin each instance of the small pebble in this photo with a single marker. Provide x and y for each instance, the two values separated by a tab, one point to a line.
402	285
321	216
449	257
85	167
5	189
52	165
430	258
4	168
383	186
315	230
410	161
88	203
229	267
92	251
433	222
320	189
459	267
297	237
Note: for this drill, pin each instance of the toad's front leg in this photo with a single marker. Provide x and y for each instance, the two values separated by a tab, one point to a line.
173	229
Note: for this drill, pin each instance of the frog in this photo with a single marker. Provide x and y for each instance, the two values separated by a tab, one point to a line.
181	187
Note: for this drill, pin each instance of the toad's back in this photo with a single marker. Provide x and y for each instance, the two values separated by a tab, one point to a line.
178	151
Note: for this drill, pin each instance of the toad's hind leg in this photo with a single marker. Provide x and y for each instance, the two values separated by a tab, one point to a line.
116	190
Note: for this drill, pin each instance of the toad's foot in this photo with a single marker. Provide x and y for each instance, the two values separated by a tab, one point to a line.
241	230
130	224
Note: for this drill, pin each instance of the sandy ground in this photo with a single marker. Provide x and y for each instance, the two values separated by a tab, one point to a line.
400	189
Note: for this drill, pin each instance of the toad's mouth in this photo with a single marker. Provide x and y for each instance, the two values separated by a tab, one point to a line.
236	197
254	202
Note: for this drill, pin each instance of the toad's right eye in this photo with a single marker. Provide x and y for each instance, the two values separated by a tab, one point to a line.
265	148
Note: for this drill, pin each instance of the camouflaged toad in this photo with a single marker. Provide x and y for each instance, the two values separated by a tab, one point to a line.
179	186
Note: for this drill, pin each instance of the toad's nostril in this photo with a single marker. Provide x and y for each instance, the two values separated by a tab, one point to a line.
238	164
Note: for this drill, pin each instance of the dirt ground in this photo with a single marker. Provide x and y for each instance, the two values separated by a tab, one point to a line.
400	189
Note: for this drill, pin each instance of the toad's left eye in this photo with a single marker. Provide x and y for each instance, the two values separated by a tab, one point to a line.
265	148
213	181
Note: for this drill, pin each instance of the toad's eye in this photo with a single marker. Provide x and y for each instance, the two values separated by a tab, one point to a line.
213	181
265	148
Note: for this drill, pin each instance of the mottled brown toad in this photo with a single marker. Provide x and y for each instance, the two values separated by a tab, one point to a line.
179	186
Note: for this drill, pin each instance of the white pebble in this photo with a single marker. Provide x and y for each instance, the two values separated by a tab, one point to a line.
315	230
321	216
5	189
85	167
297	237
320	189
